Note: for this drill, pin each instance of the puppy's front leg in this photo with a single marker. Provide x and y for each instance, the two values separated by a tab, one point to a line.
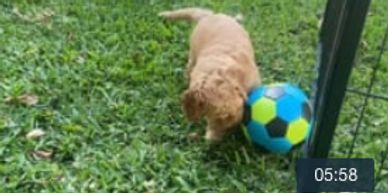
213	133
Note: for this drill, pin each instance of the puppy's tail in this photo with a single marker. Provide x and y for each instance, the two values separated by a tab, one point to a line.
191	14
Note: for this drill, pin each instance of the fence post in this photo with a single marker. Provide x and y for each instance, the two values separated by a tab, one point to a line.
339	38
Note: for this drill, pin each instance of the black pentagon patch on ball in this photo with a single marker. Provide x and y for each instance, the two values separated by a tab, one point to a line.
306	111
275	92
277	127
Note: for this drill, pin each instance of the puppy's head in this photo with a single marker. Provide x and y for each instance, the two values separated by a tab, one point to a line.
194	103
226	119
225	112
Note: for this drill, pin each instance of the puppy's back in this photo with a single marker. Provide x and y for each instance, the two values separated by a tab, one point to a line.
221	34
223	39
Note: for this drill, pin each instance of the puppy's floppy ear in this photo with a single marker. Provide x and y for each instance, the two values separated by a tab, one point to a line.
193	104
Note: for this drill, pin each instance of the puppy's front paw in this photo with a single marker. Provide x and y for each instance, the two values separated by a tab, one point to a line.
212	137
194	136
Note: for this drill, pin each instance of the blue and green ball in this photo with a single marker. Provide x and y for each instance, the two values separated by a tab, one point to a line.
278	117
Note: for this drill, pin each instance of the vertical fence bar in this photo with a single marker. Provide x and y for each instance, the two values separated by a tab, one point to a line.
339	38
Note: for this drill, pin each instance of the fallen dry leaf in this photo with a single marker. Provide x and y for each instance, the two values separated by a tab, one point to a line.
319	23
40	154
44	16
148	184
364	44
29	100
35	134
9	99
80	60
194	136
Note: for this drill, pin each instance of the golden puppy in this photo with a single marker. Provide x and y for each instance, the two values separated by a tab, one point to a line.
221	70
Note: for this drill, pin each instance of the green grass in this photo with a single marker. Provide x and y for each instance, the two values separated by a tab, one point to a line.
109	74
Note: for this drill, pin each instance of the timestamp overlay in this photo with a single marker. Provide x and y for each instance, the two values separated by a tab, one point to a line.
335	175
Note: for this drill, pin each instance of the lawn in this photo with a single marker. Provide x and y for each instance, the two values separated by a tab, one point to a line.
103	80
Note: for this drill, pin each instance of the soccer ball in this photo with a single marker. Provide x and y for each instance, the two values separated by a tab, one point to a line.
278	117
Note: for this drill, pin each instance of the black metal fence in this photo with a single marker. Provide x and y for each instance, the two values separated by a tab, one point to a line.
340	36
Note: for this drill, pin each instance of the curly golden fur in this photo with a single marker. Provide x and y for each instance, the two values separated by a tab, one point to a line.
221	70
